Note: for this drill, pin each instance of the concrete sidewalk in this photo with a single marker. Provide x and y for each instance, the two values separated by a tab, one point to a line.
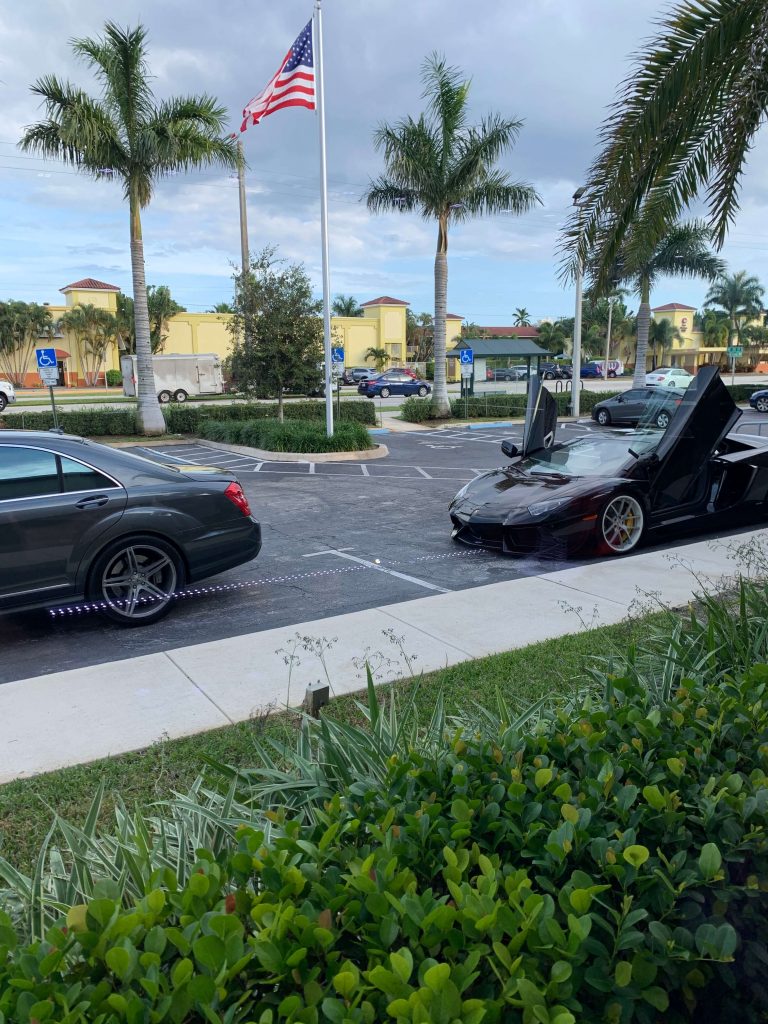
81	715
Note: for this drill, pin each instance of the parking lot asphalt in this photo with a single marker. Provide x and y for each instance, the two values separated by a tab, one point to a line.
338	537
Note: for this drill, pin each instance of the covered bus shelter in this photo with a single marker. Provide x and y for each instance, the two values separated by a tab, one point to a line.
496	353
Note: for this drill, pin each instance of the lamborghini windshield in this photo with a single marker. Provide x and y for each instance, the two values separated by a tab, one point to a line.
590	456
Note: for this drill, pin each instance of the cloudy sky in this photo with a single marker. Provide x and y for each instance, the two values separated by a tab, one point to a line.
553	63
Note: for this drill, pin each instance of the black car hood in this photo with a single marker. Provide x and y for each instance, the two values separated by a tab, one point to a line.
510	487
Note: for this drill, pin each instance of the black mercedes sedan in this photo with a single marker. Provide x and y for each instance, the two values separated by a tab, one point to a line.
606	491
82	522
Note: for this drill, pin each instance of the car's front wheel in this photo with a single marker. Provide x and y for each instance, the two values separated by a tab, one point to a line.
3	402
549	375
611	373
662	420
603	417
621	524
423	392
133	580
761	405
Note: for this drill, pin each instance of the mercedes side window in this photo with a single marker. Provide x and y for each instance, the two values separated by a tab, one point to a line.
27	473
77	477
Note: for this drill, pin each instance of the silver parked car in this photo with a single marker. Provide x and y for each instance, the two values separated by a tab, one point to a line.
83	522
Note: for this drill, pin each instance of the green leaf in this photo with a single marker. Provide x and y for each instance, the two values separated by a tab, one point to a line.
636	855
182	972
657	997
543	777
710	860
120	961
436	977
210	953
654	797
581	900
623	973
561	971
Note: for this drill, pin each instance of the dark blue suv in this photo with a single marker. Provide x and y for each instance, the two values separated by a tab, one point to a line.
393	382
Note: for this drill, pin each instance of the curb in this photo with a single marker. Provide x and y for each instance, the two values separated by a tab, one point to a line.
379	452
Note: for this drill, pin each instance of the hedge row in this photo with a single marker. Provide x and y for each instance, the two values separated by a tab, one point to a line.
184	419
418	410
290	436
607	865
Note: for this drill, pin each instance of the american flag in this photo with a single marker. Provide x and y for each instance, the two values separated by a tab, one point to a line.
292	86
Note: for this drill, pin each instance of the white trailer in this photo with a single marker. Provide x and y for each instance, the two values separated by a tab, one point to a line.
177	376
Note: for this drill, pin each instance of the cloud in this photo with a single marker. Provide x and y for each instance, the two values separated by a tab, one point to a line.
555	65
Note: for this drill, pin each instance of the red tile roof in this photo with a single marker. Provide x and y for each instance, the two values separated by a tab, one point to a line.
670	306
385	300
90	284
453	316
511	332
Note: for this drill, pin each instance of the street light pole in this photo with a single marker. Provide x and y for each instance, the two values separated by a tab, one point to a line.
608	338
576	377
244	252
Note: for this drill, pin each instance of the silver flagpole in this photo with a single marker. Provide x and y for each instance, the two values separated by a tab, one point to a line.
318	50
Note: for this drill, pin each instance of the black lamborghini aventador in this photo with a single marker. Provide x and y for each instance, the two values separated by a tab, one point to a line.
606	491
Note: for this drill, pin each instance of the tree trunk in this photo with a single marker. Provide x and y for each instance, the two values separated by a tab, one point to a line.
148	412
440	403
643	329
280	415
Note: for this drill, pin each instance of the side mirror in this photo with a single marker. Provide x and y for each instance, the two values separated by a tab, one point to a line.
510	449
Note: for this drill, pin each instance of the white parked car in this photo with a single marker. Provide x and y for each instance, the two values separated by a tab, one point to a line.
669	376
7	393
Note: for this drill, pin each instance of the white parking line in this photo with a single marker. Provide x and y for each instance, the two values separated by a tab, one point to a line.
364	470
379	568
423	472
311	469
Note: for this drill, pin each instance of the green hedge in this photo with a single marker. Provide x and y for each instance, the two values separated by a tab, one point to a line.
607	865
87	423
186	419
289	436
114	378
418	410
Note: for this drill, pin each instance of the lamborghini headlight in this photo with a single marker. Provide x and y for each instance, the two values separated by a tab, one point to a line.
542	508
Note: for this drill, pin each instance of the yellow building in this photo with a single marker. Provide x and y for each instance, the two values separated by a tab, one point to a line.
382	326
690	350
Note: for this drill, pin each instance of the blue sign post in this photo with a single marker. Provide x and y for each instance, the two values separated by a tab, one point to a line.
48	370
467	367
337	355
466	357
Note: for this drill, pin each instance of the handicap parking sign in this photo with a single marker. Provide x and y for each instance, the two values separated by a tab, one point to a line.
46	357
337	355
466	357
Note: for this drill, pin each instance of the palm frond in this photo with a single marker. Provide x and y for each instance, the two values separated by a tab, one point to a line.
119	61
494	194
480	148
447	94
683	122
383	195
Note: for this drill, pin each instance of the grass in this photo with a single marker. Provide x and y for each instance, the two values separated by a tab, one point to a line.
554	667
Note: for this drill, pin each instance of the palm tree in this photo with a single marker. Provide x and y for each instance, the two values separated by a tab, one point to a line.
552	336
682	251
715	326
22	324
129	135
741	296
379	356
346	305
94	328
661	334
161	307
443	166
685	120
222	307
522	318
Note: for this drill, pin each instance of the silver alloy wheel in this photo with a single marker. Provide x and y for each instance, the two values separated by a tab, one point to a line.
138	580
423	391
622	523
385	392
603	418
762	405
662	420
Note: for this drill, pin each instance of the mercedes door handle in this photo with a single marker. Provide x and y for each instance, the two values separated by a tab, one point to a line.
95	502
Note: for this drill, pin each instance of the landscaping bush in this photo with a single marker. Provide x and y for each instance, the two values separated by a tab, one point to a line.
417	410
289	436
183	419
114	378
87	423
609	864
